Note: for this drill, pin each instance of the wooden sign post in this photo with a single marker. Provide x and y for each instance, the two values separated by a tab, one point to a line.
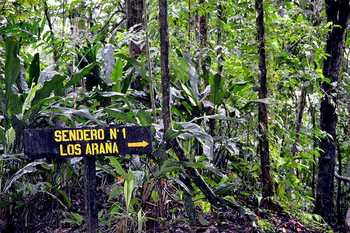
87	143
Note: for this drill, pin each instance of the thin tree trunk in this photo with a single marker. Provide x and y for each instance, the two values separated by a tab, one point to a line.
313	122
203	38
149	62
221	19
134	14
338	14
189	20
164	62
339	194
348	125
203	27
165	83
165	79
299	118
220	61
52	35
134	23
263	146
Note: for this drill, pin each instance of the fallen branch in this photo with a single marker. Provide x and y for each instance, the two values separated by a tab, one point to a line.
199	181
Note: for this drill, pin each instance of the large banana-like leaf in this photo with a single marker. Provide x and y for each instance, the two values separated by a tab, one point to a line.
29	168
12	71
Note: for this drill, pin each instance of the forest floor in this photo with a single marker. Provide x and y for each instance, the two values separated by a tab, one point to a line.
43	214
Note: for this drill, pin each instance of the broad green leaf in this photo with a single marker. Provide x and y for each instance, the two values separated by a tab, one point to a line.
29	99
74	219
216	89
12	71
76	77
128	189
116	190
117	75
10	137
117	166
53	85
29	168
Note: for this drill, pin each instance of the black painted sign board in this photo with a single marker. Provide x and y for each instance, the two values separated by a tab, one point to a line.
78	142
87	142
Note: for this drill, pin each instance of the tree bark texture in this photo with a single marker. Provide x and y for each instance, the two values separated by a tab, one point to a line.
203	37
164	62
91	217
203	27
263	146
338	14
134	13
313	122
299	118
220	61
339	191
165	83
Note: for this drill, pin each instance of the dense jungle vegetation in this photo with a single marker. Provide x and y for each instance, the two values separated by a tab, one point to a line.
248	103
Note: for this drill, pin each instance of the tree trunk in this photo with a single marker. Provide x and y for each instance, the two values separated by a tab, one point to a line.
220	61
164	62
52	35
339	193
299	118
203	37
134	23
203	28
165	83
263	146
313	122
221	20
134	13
338	14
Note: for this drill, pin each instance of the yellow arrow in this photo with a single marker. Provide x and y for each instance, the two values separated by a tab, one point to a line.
138	144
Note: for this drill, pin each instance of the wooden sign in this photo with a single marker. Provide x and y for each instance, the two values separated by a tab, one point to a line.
77	142
87	142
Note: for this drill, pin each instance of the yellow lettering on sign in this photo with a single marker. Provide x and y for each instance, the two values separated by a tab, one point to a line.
58	136
72	135
113	134
77	148
80	135
124	133
94	148
115	148
88	149
64	135
102	148
86	135
93	134
62	153
101	134
70	149
109	148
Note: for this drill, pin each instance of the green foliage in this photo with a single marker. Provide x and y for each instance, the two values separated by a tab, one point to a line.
128	189
43	76
12	70
73	219
265	226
